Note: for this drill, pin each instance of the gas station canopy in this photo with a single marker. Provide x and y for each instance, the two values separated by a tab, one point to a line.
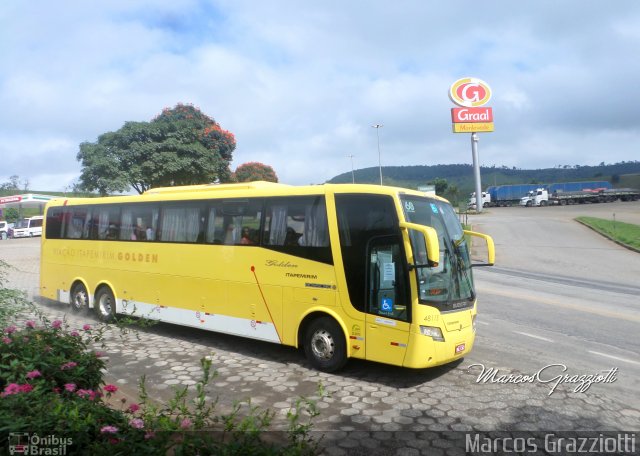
24	201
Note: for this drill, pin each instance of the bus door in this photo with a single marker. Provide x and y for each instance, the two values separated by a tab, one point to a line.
388	306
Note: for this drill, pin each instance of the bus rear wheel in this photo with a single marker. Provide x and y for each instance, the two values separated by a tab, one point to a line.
79	298
324	345
105	304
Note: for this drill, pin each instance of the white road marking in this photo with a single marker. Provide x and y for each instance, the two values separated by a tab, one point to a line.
534	336
617	358
483	323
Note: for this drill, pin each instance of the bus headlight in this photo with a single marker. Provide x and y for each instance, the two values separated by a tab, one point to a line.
432	332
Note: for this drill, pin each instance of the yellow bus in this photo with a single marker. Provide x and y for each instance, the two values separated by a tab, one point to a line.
344	271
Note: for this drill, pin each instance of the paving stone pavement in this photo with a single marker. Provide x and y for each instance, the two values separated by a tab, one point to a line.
368	408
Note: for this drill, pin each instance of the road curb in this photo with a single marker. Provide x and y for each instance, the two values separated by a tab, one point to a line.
621	244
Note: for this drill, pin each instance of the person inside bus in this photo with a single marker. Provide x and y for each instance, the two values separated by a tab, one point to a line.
112	232
246	236
291	237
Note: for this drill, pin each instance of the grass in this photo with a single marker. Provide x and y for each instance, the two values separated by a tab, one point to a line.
624	233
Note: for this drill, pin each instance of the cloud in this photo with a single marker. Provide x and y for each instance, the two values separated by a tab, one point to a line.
300	84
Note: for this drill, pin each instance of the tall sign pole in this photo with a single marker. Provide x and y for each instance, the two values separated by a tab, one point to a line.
471	94
476	170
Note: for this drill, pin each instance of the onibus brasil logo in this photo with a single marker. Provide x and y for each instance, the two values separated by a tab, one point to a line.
25	443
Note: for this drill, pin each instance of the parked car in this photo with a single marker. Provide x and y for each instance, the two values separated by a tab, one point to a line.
4	230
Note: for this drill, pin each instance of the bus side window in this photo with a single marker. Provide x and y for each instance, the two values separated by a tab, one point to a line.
54	223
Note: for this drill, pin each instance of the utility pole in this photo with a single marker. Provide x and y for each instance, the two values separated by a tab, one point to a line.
377	127
353	176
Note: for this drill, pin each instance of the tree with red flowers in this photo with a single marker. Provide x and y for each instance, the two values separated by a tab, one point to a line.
180	146
255	171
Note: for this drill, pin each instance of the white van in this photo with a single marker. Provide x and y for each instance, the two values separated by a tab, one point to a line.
4	230
28	227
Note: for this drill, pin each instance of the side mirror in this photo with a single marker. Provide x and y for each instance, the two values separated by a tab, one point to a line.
431	241
491	250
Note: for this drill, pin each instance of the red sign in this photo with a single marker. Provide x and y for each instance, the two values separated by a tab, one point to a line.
470	115
10	199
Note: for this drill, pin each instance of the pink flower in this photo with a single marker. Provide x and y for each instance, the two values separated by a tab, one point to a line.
26	388
136	423
14	388
10	329
149	435
34	374
71	387
133	408
6	340
75	333
56	390
185	423
87	327
30	324
100	354
110	388
69	365
11	388
86	393
108	430
56	324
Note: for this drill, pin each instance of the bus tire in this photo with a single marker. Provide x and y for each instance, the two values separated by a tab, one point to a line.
79	298
324	345
105	304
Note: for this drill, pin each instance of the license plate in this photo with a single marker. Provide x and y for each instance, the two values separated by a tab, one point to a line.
460	348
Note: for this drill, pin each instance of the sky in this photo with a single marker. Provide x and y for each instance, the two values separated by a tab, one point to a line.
301	83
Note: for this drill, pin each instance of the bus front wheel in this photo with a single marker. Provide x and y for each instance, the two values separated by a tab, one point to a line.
79	297
105	304
324	345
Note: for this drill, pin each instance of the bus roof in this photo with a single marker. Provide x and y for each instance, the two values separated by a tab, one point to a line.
240	190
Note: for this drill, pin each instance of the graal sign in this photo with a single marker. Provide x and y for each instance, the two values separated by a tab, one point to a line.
470	92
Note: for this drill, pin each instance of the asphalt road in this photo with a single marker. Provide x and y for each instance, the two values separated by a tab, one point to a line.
561	294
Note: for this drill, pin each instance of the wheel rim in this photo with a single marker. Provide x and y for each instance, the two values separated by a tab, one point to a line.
105	305
322	344
80	299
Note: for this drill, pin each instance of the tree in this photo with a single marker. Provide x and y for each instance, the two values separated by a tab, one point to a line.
181	146
12	184
440	184
11	214
254	171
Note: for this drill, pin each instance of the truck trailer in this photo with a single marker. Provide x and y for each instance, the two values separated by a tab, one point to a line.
542	197
511	195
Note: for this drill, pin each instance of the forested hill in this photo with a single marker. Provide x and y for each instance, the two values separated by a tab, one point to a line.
461	175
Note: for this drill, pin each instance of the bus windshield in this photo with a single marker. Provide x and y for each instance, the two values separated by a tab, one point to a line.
22	223
448	286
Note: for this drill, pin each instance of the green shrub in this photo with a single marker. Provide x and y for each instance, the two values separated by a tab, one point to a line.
51	384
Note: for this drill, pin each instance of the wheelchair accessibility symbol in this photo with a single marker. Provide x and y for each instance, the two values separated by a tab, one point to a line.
387	305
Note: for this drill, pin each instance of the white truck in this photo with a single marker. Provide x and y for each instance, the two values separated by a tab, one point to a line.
541	197
486	200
